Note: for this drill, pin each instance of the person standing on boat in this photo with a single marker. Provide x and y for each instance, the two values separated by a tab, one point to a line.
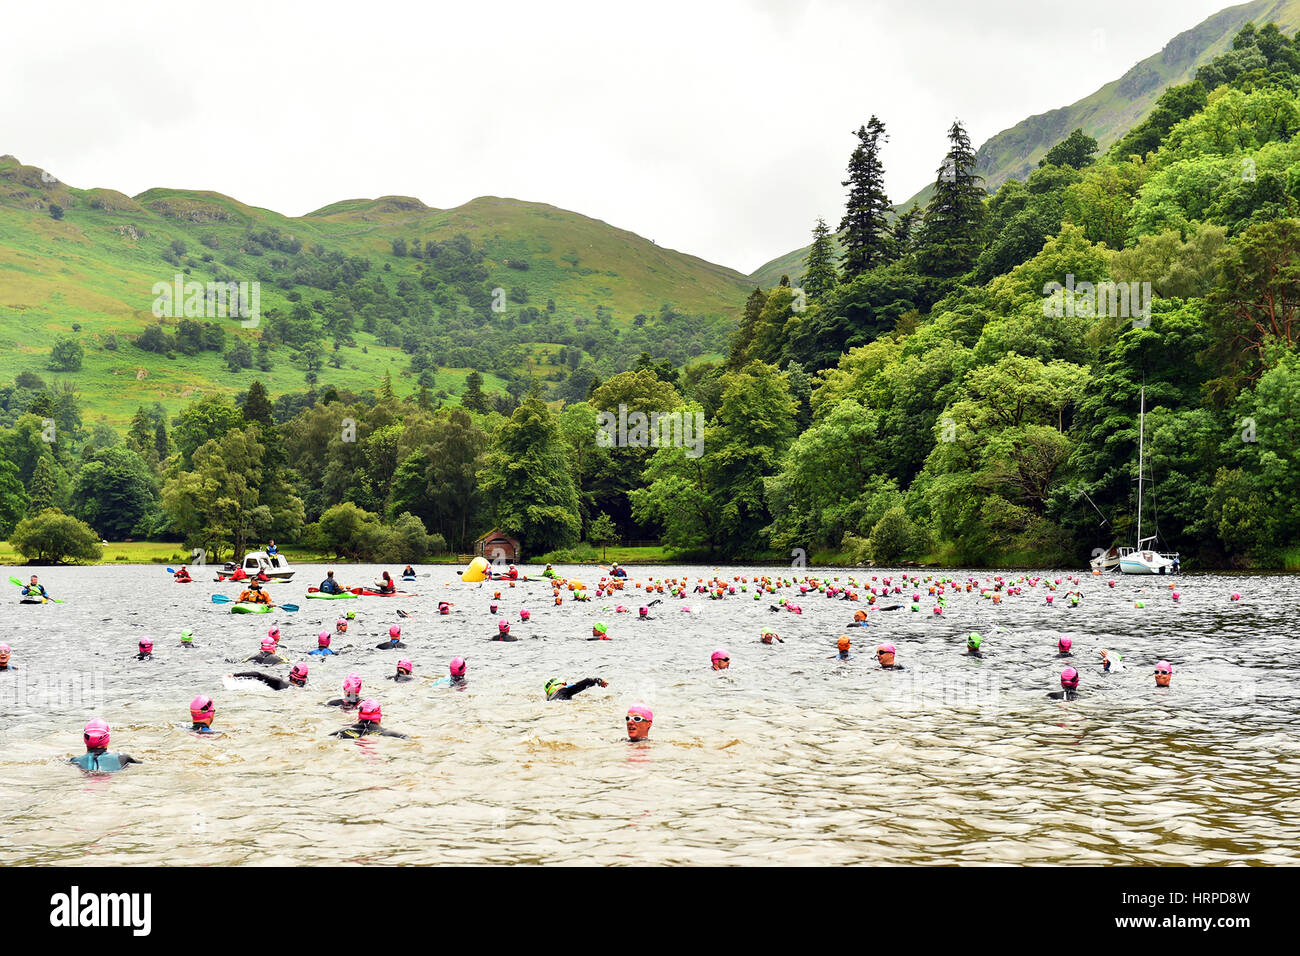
271	549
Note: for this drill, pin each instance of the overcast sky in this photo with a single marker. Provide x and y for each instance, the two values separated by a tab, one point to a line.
717	127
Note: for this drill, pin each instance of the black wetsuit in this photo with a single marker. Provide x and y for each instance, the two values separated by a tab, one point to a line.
1063	694
389	645
504	637
567	692
892	667
344	703
144	657
366	728
101	761
856	624
275	683
264	657
401	678
8	667
973	652
203	729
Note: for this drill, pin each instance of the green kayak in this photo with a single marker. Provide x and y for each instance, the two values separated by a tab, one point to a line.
331	597
247	608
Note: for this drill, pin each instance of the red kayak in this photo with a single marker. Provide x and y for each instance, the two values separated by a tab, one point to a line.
371	592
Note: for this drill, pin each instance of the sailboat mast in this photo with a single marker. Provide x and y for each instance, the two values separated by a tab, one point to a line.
1142	417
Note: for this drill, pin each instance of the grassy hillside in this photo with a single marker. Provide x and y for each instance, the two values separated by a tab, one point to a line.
90	276
1105	115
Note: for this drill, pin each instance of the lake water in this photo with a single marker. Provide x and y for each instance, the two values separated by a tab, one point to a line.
790	757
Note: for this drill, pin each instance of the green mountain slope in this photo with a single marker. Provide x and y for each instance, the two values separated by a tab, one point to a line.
1104	115
91	274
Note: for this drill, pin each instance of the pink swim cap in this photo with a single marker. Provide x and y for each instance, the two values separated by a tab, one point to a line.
458	667
1164	666
352	684
370	711
201	707
323	639
1063	645
643	711
268	644
523	614
886	649
720	654
395	631
274	633
1069	678
405	665
503	626
298	675
96	734
643	610
146	646
492	608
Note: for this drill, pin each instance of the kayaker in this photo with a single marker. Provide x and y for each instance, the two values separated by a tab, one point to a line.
183	575
97	759
386	586
404	673
394	639
408	572
239	575
557	689
202	712
35	589
370	715
549	572
254	594
5	653
329	585
351	698
297	678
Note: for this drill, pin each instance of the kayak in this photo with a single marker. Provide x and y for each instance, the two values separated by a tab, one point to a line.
405	578
370	592
331	597
31	601
244	607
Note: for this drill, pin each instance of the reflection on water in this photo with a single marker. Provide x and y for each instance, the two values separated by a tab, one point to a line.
789	757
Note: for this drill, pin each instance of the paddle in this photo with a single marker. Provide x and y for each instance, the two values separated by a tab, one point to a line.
221	599
19	584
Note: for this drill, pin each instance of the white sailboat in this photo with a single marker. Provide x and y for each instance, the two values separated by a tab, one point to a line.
1145	559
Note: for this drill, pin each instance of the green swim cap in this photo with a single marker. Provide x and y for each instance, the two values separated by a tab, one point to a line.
974	641
601	628
352	615
552	685
187	636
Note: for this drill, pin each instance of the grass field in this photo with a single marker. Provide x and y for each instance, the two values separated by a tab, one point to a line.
91	275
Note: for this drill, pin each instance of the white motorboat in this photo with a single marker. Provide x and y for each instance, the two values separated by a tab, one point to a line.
274	566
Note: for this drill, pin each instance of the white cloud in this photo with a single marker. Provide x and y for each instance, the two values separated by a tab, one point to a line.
718	128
